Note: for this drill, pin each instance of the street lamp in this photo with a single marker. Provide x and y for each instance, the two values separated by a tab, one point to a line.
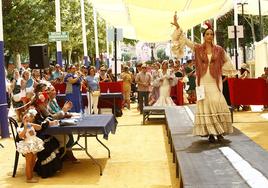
152	45
243	23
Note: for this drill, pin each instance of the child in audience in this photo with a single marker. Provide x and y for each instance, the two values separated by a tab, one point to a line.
30	144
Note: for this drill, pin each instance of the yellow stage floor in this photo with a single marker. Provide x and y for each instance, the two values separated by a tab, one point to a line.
140	156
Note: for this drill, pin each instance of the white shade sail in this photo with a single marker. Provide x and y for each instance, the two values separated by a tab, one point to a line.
150	20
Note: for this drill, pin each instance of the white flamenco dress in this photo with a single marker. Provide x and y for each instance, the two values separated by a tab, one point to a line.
165	88
212	115
31	143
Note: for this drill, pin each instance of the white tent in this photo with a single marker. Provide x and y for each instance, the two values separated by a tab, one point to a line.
149	20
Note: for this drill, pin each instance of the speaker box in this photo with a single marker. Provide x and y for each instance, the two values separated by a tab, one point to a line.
38	56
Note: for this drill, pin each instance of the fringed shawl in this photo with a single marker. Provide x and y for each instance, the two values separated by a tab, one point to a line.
202	62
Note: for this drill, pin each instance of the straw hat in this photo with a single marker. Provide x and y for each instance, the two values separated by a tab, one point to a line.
245	66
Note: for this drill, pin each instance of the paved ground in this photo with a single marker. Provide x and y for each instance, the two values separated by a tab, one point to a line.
140	156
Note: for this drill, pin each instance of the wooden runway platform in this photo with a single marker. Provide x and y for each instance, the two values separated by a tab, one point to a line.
203	164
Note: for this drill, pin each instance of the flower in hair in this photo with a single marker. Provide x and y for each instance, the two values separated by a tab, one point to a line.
206	25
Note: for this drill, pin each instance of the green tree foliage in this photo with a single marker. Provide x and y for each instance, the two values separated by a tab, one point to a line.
28	22
25	22
251	29
130	42
126	57
161	54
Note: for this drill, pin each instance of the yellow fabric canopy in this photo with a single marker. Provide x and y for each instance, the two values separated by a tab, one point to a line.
150	20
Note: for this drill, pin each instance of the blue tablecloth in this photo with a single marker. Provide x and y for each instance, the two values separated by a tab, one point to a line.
90	124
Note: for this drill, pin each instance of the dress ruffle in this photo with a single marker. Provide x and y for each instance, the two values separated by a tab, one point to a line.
178	43
32	145
212	116
164	101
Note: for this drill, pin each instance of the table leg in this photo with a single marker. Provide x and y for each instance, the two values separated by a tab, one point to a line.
109	152
64	143
114	106
90	156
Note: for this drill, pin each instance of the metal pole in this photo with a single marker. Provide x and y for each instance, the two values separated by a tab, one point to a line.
3	99
84	34
152	52
96	38
115	54
243	41
58	29
260	20
235	33
236	55
107	46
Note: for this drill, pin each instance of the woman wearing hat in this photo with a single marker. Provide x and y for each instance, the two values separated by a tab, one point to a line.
244	71
212	117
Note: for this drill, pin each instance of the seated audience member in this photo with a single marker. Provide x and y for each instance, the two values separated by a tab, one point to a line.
55	109
46	101
48	160
244	71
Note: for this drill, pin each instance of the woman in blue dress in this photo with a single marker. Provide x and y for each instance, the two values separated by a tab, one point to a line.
73	89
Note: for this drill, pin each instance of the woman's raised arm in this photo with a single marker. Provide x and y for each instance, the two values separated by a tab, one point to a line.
179	40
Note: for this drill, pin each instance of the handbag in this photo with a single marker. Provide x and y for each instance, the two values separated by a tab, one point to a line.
96	93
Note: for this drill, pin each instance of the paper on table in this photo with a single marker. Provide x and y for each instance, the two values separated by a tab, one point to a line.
66	122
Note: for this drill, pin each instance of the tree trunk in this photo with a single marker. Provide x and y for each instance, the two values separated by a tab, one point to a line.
69	56
252	29
251	24
17	60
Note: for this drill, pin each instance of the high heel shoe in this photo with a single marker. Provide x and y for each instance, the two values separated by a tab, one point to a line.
211	139
220	138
